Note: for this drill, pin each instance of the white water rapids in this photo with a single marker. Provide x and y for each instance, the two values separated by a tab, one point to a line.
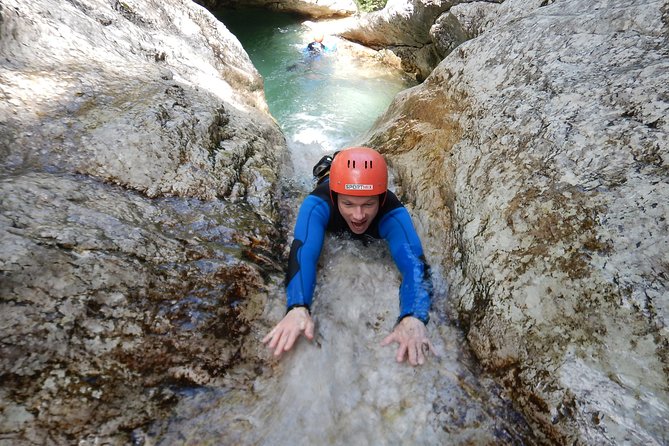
344	388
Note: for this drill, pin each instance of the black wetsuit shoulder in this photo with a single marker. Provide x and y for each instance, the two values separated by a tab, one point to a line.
337	224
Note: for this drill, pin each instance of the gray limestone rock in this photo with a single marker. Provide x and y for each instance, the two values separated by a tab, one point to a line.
138	207
419	32
536	158
108	297
158	97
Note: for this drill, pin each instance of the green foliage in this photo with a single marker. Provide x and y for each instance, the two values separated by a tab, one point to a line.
370	5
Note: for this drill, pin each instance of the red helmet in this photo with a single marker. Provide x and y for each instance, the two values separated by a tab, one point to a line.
359	171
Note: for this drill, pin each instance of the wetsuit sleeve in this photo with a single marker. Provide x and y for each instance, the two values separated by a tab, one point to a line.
416	289
312	220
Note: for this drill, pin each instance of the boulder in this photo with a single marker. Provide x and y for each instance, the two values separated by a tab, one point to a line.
418	32
536	158
138	213
165	103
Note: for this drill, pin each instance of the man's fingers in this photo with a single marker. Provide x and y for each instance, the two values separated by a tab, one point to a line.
420	354
268	336
431	349
388	339
413	353
292	336
414	344
309	331
401	351
276	336
280	346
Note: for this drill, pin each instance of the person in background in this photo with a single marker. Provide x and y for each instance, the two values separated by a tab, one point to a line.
313	52
352	197
316	46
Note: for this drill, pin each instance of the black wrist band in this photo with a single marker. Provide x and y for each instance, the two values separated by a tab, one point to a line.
299	306
423	320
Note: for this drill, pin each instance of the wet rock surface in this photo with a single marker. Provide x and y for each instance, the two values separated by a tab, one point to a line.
139	208
110	301
162	102
418	33
138	213
536	159
345	387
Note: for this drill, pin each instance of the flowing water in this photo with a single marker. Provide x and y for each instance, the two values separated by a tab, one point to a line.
322	103
343	388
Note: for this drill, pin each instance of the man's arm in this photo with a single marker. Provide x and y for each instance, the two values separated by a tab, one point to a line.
405	247
301	276
309	233
415	291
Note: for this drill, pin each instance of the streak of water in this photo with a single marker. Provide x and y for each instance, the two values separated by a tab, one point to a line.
321	103
344	388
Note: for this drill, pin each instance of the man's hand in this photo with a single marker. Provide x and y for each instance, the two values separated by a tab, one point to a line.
283	336
411	335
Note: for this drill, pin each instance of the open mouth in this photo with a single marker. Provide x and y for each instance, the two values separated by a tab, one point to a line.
359	226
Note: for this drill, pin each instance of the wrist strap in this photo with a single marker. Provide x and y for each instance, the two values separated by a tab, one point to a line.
299	306
424	320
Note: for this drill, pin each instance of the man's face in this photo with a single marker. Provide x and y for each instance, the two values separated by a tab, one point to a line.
358	212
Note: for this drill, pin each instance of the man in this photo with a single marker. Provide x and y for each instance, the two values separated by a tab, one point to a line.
316	46
355	200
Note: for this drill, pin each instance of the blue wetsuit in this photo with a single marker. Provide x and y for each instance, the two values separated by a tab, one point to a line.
319	214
